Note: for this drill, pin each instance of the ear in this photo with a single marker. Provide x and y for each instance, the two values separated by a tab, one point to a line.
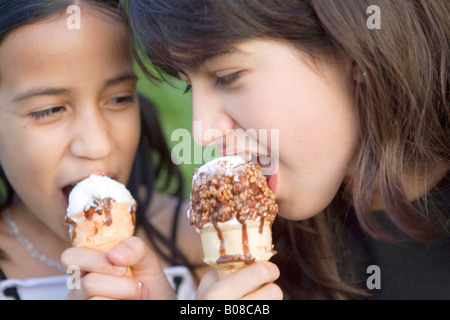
359	75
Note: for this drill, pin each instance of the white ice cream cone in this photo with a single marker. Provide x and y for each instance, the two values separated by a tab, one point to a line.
104	222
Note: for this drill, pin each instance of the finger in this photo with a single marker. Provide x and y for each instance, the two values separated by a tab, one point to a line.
207	281
242	282
145	265
102	286
91	261
269	291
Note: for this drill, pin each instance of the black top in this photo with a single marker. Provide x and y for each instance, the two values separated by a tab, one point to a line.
409	270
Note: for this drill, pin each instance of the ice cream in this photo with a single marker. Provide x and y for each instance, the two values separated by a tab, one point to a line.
101	213
233	209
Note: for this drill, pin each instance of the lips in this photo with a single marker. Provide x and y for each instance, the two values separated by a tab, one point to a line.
268	168
272	182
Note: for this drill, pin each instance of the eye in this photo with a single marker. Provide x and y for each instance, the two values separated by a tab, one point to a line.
182	76
47	112
227	80
122	100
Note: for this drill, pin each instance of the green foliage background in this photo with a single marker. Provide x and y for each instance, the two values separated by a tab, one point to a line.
175	111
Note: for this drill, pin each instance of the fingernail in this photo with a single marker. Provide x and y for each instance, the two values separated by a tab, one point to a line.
120	269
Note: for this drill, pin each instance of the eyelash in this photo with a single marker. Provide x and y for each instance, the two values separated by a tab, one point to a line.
51	111
220	81
123	100
188	89
46	113
227	80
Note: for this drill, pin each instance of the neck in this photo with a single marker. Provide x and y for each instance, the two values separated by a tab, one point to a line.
20	263
31	225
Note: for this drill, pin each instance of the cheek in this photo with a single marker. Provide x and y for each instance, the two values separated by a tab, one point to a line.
318	140
126	133
256	107
30	160
32	157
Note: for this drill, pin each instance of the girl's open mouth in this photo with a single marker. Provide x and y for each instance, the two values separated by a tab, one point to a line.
65	191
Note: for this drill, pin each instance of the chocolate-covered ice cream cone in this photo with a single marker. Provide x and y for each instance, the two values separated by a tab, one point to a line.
233	209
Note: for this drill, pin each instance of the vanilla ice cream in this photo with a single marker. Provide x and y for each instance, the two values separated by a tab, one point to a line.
101	213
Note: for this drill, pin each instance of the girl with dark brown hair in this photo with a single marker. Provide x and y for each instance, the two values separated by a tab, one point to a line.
359	92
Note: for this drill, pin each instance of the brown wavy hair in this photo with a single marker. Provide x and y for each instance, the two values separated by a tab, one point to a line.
402	102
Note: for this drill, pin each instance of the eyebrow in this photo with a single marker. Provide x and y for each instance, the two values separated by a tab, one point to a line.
39	92
124	77
210	58
229	51
48	91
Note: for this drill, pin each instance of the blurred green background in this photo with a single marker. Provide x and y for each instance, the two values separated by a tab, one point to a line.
175	111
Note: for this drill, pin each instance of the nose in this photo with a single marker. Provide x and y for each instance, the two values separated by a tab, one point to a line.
91	138
211	123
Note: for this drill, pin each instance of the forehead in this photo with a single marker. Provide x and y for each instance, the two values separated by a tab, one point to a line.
50	47
190	62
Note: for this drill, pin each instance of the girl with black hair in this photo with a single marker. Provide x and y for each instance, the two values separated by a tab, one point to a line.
69	108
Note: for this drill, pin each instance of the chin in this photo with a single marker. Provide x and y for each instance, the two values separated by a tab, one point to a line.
294	210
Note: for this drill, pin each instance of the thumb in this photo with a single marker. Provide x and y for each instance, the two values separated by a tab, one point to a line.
146	267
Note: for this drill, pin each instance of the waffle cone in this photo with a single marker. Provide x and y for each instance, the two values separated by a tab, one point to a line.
102	232
233	251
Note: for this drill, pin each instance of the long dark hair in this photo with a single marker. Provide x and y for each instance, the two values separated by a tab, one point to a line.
153	158
402	103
